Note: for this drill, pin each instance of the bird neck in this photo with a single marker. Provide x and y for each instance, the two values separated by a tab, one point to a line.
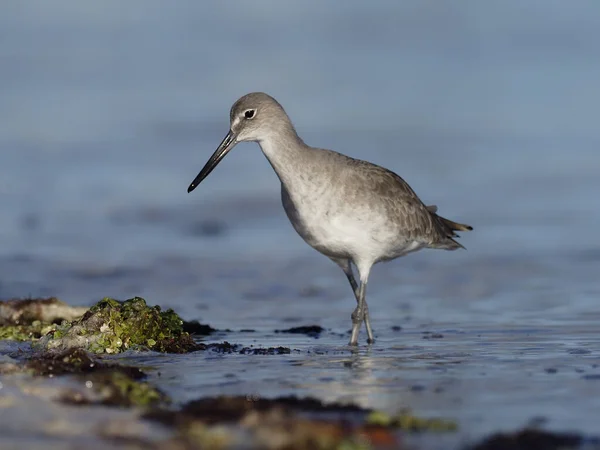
286	153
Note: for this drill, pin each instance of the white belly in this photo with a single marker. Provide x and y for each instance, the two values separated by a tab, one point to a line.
327	229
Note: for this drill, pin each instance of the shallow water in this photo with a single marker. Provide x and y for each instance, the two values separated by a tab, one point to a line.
488	110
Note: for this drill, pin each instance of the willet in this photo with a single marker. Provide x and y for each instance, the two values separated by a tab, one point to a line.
352	211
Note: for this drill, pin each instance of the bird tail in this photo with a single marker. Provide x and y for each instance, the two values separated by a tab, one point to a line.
450	227
455	226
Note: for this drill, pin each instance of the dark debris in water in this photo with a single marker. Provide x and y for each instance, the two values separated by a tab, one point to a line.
196	328
314	405
431	335
592	376
226	347
309	330
532	439
265	351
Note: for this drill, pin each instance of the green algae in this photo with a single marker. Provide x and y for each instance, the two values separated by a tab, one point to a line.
405	421
24	333
118	388
112	326
132	324
134	392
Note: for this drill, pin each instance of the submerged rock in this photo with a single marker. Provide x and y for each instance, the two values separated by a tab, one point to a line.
533	439
112	326
76	362
309	330
196	328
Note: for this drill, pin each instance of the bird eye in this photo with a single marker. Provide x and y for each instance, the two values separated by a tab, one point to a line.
249	114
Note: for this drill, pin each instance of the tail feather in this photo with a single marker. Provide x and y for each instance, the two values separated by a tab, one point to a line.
455	245
454	226
449	243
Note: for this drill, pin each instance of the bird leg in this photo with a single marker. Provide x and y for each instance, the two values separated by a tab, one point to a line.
365	310
370	338
347	268
359	314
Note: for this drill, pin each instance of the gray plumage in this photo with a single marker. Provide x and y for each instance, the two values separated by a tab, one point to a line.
350	210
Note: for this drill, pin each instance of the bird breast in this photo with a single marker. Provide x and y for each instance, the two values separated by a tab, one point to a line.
334	227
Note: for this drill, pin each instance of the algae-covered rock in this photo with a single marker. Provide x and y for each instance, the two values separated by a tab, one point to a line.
115	388
279	424
112	326
291	422
28	332
100	382
30	319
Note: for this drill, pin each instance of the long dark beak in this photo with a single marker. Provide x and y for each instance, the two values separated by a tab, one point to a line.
224	148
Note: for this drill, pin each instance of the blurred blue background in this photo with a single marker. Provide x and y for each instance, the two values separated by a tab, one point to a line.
109	109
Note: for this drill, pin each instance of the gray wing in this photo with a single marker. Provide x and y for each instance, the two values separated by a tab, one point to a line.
415	220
